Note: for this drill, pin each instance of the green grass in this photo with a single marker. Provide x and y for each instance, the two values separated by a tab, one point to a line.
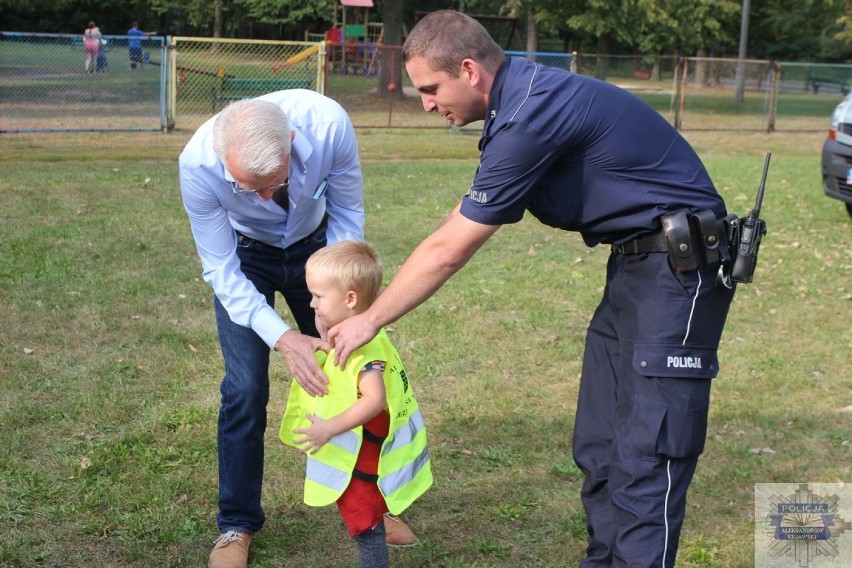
109	364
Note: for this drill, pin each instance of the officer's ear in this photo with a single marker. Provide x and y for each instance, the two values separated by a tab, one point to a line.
471	72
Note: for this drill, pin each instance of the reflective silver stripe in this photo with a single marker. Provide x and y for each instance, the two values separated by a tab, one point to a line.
692	309
393	481
403	435
346	441
666	505
326	475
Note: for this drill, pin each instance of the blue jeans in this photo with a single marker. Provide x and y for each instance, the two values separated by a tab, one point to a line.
373	547
245	387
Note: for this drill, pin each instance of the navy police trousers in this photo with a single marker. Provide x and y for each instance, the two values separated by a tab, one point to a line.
642	409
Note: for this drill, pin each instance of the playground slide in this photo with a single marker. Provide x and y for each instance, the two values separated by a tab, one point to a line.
301	56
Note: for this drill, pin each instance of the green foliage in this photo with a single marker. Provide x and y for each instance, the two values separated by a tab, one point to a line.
606	18
799	29
285	11
780	29
196	12
683	26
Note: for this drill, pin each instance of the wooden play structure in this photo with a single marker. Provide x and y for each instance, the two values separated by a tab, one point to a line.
353	42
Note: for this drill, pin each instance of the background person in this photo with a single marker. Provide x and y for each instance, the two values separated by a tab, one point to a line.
91	44
368	404
103	62
265	183
134	45
586	156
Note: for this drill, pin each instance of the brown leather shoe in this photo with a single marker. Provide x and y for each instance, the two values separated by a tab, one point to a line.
230	551
397	533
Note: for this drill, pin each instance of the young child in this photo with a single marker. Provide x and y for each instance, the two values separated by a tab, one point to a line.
365	440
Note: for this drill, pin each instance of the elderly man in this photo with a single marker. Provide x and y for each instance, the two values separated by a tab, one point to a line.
265	183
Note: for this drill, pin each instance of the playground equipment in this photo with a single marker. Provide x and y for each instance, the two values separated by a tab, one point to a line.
353	45
299	57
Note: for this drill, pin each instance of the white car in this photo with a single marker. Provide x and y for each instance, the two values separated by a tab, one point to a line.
837	155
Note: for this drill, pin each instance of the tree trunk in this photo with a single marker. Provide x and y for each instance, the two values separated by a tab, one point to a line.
701	68
532	30
217	25
389	52
604	45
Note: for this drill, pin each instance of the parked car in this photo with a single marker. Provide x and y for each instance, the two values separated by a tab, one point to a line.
837	155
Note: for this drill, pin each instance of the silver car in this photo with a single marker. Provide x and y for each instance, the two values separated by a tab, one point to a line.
837	155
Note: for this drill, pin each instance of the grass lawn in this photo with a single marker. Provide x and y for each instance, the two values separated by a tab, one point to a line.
110	368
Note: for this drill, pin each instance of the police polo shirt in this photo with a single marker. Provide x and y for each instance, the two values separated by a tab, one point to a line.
583	155
325	148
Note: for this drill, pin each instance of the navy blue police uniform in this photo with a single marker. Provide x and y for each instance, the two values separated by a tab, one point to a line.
583	155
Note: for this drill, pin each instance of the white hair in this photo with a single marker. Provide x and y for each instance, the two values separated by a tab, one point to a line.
254	134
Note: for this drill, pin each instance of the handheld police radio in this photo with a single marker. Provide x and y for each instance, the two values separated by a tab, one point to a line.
751	230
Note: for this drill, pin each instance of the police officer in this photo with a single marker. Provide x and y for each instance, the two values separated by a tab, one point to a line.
584	155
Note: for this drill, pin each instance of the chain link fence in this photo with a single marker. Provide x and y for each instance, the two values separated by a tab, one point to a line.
566	61
723	94
808	92
206	73
182	81
728	94
370	82
760	95
44	85
621	68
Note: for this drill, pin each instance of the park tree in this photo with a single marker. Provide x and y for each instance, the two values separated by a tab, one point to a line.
528	13
799	30
285	11
225	16
390	84
684	27
196	13
537	18
819	30
609	21
844	22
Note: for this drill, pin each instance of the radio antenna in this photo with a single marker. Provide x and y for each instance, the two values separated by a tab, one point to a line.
755	213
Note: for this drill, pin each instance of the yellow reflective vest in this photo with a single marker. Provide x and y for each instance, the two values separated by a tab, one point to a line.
405	471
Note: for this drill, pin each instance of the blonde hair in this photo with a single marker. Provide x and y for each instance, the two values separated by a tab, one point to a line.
353	265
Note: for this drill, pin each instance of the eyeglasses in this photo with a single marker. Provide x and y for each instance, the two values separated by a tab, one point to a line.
284	187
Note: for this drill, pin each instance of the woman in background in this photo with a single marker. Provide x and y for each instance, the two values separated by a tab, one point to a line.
92	44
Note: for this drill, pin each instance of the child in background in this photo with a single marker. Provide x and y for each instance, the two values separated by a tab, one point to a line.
365	440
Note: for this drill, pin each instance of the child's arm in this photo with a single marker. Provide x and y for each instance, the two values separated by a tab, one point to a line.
372	401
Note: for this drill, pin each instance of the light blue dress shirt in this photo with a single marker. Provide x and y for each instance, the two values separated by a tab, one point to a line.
325	148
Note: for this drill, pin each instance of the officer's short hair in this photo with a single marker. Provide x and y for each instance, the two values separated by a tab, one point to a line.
445	38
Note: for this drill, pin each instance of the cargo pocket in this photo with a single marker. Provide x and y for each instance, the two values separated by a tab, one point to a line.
670	408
